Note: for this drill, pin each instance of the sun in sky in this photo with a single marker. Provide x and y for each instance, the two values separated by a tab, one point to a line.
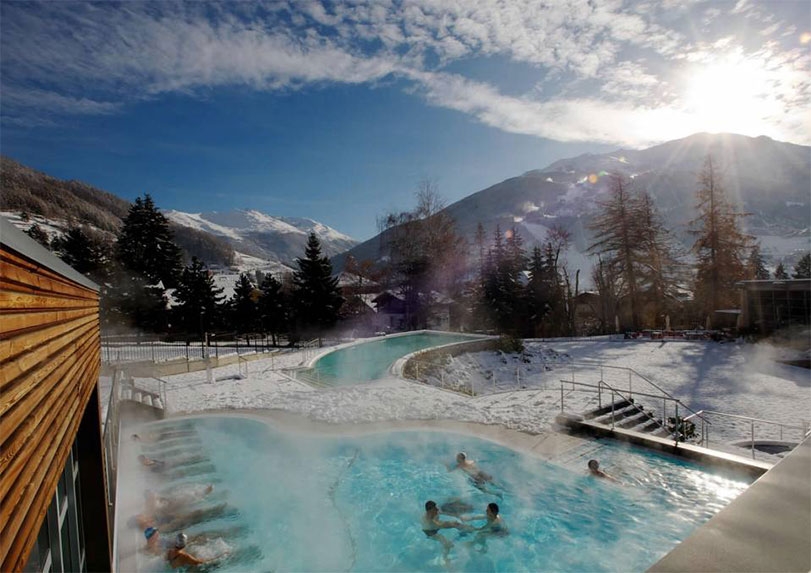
730	96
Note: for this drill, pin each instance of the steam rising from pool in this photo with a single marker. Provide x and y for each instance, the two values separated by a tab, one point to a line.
333	503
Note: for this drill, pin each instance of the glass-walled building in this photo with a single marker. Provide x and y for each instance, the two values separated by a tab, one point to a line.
769	305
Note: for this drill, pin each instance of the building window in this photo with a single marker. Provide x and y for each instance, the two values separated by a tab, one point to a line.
60	542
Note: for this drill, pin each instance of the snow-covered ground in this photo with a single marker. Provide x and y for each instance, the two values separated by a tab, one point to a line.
741	379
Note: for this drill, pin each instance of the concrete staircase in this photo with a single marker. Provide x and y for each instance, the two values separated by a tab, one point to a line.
129	392
627	415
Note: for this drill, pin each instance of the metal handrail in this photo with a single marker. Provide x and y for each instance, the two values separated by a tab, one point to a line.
601	382
619	393
805	427
677	433
651	382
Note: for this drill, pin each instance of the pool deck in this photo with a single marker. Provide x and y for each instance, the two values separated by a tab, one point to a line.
766	528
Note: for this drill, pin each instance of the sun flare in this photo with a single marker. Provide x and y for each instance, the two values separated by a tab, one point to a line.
729	96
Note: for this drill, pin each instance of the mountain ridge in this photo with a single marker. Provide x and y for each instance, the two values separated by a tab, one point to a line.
762	176
32	197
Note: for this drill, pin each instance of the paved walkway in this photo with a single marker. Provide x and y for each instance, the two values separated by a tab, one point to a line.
766	528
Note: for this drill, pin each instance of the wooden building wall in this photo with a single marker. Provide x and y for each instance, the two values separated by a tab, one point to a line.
49	367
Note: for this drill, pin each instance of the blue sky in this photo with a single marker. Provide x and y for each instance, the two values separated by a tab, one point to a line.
336	111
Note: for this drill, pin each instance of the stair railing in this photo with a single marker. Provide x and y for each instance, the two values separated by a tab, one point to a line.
677	433
804	426
665	396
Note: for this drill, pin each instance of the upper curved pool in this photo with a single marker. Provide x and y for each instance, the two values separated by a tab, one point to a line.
371	360
294	502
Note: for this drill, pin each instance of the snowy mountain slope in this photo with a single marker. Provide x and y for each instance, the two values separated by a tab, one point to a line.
766	178
256	234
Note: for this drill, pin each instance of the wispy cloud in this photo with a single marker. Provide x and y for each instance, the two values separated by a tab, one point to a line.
605	66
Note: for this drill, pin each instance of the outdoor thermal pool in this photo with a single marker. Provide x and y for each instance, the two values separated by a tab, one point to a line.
371	360
302	502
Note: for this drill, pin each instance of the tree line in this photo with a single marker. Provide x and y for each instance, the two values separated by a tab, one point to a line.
641	276
145	286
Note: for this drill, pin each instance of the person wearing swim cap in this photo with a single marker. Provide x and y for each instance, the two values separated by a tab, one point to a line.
177	556
154	544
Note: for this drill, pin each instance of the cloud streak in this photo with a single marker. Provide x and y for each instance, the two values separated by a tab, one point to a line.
608	72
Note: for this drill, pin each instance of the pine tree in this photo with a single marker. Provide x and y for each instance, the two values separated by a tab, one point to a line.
317	298
480	239
145	244
503	298
199	300
720	245
244	305
40	236
780	273
802	270
512	290
618	238
493	307
755	266
131	303
538	292
85	252
273	307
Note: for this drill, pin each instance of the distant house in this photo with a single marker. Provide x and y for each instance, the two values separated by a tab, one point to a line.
440	316
350	283
768	305
391	311
359	314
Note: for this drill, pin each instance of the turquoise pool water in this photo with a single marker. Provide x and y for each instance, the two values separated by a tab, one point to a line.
304	503
371	360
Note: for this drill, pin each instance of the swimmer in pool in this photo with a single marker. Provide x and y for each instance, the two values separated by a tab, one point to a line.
431	524
481	480
594	469
165	505
151	463
494	525
169	522
177	556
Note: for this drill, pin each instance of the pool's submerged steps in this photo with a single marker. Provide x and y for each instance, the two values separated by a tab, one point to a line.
176	467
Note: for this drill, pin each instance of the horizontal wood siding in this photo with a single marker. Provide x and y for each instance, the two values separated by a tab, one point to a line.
49	365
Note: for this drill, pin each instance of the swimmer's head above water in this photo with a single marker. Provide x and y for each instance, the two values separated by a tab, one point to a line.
180	540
